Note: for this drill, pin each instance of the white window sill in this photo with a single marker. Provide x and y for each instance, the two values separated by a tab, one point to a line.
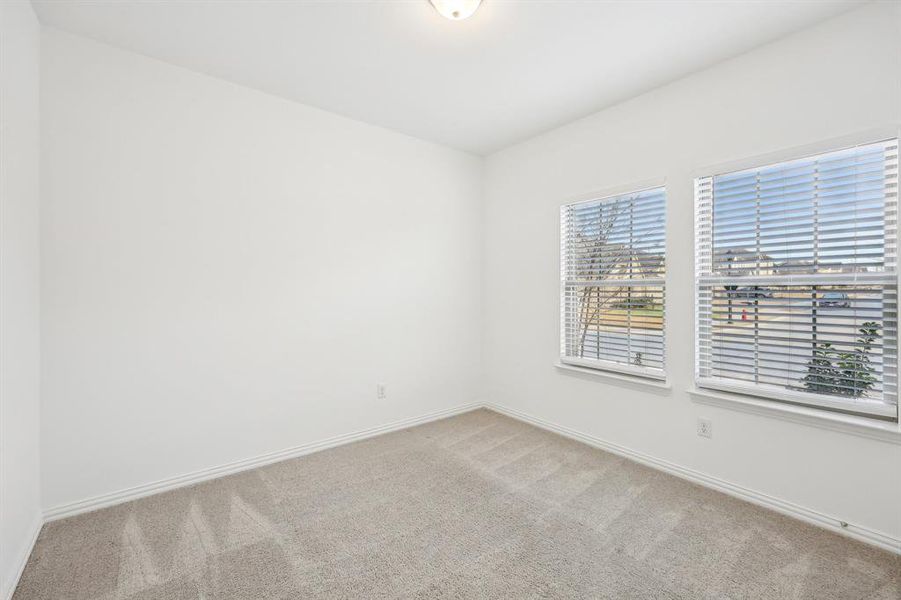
613	377
861	426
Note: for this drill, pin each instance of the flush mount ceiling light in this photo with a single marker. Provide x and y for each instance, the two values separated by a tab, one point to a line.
456	10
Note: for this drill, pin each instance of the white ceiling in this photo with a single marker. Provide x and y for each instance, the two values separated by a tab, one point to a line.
514	69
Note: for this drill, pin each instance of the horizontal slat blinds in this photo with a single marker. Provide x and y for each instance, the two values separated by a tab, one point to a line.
612	282
797	282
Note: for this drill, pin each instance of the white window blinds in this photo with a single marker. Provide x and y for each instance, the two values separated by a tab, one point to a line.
796	280
612	282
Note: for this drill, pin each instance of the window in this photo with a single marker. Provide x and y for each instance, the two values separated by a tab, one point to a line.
612	283
796	280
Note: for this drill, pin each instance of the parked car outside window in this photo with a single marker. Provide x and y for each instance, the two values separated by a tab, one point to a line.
836	299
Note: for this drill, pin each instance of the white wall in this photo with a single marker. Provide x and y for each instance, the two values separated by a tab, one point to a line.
835	79
228	274
19	280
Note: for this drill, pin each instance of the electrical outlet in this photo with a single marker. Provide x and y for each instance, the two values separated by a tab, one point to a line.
705	428
380	391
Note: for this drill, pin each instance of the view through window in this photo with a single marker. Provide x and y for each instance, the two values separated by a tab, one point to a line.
612	282
797	282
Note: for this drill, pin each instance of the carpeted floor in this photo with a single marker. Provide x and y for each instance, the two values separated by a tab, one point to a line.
475	506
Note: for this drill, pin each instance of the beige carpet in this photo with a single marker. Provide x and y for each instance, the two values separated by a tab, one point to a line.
475	506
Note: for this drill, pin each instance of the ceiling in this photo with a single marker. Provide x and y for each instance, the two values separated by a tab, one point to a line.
514	69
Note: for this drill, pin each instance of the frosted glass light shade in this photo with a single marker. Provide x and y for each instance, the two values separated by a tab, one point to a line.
456	10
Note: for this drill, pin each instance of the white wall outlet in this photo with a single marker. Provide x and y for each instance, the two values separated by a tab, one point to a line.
380	391
705	428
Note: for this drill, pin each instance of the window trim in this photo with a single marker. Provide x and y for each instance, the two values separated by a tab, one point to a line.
639	374
648	383
608	365
885	431
777	394
868	136
785	398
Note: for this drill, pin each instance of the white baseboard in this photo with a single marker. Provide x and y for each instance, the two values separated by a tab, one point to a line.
856	532
22	560
126	495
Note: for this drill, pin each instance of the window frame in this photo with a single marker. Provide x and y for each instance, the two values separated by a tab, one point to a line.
601	366
778	396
